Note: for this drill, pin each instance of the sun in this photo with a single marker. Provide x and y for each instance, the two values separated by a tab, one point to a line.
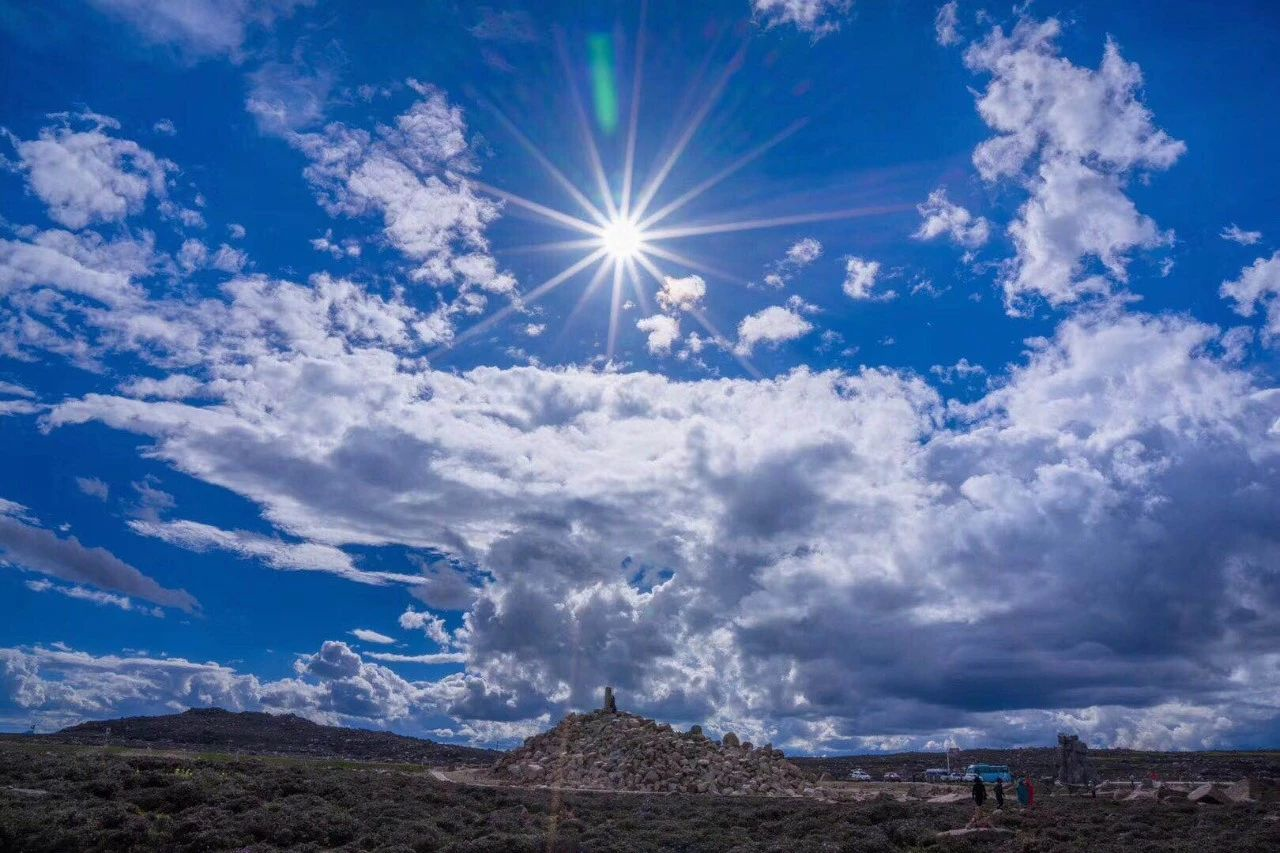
622	239
624	232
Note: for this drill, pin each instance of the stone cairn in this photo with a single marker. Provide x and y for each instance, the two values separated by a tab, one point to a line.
1073	761
612	750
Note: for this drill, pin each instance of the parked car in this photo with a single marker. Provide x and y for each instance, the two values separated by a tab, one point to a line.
856	775
892	777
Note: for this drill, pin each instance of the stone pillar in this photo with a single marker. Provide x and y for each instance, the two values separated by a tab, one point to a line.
610	704
1073	761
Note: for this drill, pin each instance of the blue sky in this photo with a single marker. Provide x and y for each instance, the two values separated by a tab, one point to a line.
962	313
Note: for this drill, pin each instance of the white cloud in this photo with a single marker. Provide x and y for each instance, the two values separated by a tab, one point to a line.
201	28
1236	234
346	248
367	636
430	624
961	370
683	294
1258	284
772	325
942	216
663	332
236	230
1074	136
86	176
801	254
432	658
413	175
286	556
288	97
860	277
93	487
946	24
59	686
166	127
816	17
804	252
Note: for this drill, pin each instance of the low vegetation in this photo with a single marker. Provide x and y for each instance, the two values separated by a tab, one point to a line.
56	797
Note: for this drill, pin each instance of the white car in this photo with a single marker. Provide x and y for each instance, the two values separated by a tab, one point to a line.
892	777
859	776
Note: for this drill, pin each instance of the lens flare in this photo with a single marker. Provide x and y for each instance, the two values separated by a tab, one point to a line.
622	239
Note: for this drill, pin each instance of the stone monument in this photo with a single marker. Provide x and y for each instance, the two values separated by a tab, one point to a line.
1073	761
610	704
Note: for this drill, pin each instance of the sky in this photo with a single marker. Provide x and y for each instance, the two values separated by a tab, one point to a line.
851	376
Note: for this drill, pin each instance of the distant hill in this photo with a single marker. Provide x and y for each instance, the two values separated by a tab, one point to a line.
216	730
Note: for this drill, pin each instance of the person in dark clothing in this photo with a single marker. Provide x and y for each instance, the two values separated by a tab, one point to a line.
979	791
1000	793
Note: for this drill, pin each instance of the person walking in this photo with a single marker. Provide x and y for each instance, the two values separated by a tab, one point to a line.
1000	794
1024	792
1031	793
979	791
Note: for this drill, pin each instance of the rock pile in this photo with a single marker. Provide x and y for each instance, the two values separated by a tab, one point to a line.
625	752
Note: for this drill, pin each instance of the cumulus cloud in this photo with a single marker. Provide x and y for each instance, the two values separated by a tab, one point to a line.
662	330
412	174
804	252
430	624
28	546
1072	136
816	17
860	277
801	254
86	176
201	28
1236	234
59	686
683	294
941	216
1258	285
773	325
768	527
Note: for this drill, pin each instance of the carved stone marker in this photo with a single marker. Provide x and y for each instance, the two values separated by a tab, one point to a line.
1073	761
610	704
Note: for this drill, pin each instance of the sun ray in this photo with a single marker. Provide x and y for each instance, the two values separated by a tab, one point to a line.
615	308
655	183
553	246
541	209
774	222
584	124
685	260
641	297
551	169
583	298
629	157
724	173
516	304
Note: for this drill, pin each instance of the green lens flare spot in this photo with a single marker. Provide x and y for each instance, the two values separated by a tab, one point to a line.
604	85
